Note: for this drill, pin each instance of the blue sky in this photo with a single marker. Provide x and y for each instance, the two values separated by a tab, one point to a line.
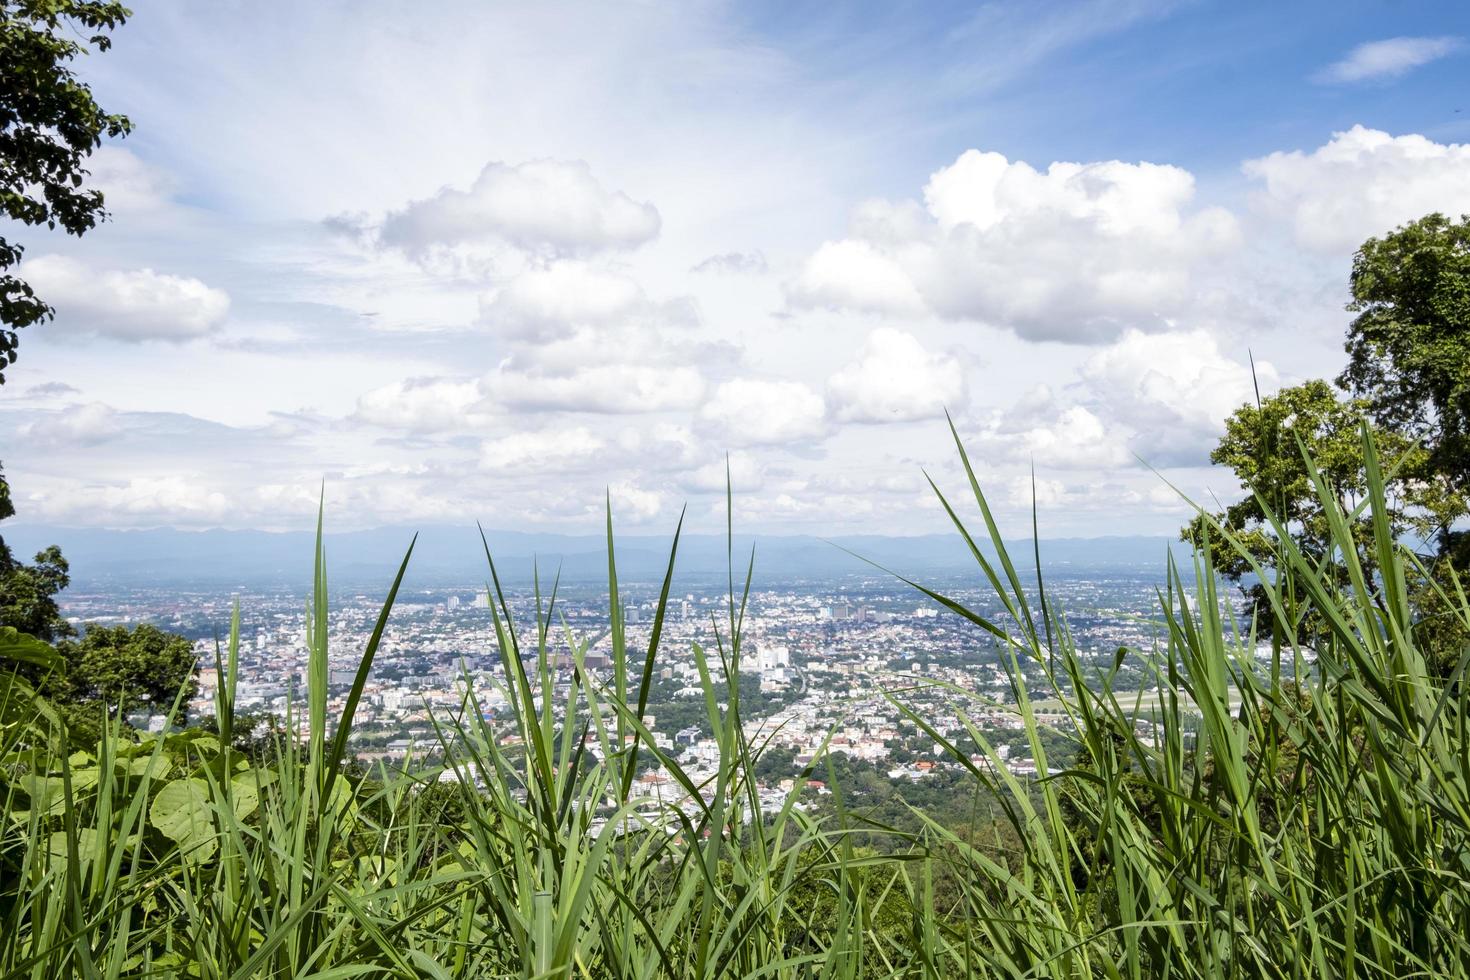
492	261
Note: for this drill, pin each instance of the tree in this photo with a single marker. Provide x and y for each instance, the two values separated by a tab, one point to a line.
142	669
1409	359
1409	346
1408	374
28	592
49	125
1409	356
1264	445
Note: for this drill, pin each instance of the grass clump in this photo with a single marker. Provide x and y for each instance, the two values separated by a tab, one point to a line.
1301	814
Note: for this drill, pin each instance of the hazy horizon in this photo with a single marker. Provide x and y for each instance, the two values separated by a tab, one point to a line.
449	554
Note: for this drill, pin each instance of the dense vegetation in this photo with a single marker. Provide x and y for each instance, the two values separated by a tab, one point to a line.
1322	827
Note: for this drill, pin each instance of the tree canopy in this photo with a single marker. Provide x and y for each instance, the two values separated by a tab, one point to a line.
138	669
49	125
1408	374
1409	350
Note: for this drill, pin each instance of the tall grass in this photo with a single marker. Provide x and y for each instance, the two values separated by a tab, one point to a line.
1318	828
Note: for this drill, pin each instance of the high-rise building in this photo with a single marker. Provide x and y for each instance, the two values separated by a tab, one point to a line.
773	658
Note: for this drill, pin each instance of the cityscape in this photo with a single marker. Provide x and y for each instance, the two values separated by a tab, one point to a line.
824	666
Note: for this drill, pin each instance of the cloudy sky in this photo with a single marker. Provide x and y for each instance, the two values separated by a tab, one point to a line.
493	260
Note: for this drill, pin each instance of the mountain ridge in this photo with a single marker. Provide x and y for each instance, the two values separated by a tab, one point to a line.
450	553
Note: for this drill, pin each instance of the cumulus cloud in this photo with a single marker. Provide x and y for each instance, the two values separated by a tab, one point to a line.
541	451
75	425
1077	252
618	388
137	501
741	471
1163	397
1389	58
1361	183
855	275
549	302
748	412
632	503
1043	430
894	379
424	405
1094	496
587	339
551	207
1179	383
131	305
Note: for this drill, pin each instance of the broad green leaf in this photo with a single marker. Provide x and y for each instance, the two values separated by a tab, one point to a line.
56	846
15	645
182	812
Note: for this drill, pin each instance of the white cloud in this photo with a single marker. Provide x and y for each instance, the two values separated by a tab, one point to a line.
75	425
425	405
546	303
742	469
1163	397
1362	183
1179	384
632	503
174	500
543	450
1077	252
128	184
663	445
132	305
1022	491
1389	58
855	275
747	412
549	207
1095	497
1042	430
895	379
608	388
587	339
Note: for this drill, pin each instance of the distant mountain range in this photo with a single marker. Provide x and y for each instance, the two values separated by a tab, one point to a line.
449	555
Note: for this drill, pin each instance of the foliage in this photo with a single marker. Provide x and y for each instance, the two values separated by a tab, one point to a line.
1408	373
1290	818
1272	449
131	670
1409	360
49	125
1409	346
28	592
1319	828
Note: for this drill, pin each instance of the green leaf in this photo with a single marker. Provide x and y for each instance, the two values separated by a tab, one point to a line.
245	791
181	812
15	645
56	846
